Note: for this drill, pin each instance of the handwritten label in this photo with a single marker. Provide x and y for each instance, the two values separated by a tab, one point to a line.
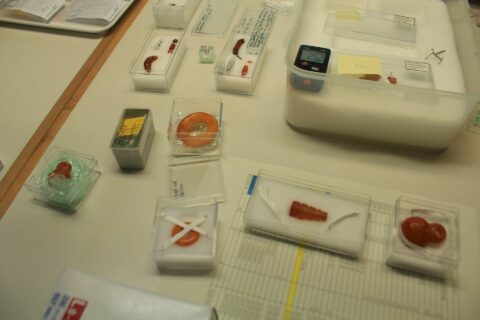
417	66
358	65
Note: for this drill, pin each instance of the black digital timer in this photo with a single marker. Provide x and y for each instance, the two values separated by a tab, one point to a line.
314	59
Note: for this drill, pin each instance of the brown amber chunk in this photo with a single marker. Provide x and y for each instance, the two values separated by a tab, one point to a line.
303	211
371	77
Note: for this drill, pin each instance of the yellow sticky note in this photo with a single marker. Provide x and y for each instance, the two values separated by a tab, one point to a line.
131	126
347	14
358	65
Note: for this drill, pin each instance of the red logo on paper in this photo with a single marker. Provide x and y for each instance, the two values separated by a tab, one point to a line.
75	309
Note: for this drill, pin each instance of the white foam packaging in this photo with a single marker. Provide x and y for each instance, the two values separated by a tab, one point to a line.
270	211
79	296
173	13
427	109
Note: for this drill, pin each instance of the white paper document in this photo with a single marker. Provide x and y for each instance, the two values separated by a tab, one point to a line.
42	10
95	11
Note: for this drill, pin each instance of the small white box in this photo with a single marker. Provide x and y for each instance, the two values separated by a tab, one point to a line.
241	60
437	258
308	213
173	13
156	65
186	234
81	296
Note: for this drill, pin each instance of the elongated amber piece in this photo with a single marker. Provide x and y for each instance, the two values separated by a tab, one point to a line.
303	211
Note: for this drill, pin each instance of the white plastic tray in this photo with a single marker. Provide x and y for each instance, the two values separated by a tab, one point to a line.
59	23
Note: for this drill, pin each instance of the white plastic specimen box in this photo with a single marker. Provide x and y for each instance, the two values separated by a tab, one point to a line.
133	137
308	213
186	233
80	296
425	237
240	62
215	18
63	179
173	13
195	180
156	65
396	71
195	130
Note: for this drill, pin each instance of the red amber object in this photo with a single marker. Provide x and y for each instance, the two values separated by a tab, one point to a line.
237	47
63	169
197	129
303	211
147	64
421	233
392	79
188	239
172	45
436	233
415	230
245	70
371	77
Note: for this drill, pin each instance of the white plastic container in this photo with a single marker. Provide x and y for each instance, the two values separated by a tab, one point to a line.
133	137
308	213
173	13
177	246
411	244
427	113
240	62
156	65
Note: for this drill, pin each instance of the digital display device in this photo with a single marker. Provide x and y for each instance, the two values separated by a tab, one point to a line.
313	58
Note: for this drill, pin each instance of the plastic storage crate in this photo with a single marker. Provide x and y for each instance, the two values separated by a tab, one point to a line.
418	88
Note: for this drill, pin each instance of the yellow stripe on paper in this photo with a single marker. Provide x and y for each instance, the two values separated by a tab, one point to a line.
293	284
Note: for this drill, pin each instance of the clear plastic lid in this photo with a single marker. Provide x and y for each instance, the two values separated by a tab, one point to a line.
185	233
197	180
64	178
215	18
157	53
195	130
424	230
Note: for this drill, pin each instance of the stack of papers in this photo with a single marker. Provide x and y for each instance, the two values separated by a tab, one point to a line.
42	10
95	11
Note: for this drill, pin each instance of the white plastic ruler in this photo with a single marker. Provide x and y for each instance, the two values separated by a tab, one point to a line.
262	278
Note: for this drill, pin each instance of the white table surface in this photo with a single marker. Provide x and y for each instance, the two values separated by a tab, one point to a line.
37	66
110	235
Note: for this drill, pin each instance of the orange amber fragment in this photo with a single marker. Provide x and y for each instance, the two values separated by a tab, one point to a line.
303	211
371	77
63	169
